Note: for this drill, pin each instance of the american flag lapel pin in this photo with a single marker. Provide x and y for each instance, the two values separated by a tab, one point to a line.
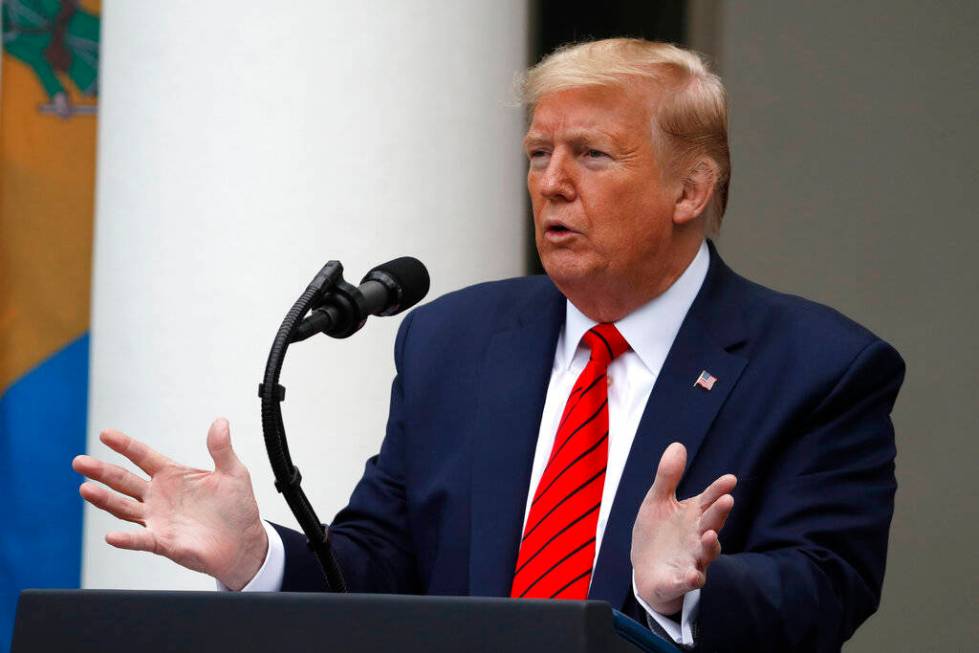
706	380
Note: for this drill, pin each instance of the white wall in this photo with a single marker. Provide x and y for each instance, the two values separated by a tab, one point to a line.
241	146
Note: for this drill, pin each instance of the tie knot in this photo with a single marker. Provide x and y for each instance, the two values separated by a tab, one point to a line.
605	342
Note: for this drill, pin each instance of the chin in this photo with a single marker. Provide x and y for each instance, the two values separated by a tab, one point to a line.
568	272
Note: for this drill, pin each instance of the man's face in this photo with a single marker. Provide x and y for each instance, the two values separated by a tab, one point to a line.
603	209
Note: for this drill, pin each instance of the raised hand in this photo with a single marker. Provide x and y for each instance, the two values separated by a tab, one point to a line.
673	542
207	521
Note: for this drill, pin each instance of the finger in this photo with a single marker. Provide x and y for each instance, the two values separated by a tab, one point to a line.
716	515
669	472
695	580
219	446
138	541
710	549
116	477
143	456
723	485
112	503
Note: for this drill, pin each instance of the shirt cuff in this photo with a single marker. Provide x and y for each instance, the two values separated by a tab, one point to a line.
270	574
682	633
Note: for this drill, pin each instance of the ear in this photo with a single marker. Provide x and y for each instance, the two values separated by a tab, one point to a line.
696	189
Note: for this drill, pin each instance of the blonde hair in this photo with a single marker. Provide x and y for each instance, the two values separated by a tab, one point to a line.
692	112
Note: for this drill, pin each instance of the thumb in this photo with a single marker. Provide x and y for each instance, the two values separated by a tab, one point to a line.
669	472
219	446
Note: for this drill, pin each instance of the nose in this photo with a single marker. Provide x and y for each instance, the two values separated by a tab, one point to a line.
557	180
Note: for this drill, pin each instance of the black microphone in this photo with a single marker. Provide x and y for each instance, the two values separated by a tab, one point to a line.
387	289
395	286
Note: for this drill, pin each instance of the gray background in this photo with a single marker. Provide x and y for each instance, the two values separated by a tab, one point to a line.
854	137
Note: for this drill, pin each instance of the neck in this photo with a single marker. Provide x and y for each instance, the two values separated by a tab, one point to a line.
609	301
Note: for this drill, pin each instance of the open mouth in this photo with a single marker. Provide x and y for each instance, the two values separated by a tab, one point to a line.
557	231
556	228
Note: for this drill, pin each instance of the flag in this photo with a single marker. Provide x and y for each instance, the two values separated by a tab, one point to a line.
48	100
706	380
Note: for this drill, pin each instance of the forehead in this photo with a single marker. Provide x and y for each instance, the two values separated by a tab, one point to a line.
608	109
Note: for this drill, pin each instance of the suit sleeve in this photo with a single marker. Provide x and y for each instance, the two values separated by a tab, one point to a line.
813	563
370	537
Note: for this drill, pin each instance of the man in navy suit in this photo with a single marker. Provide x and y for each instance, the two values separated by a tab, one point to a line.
723	393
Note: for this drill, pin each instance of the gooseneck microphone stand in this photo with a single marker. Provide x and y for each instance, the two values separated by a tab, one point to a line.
287	476
339	309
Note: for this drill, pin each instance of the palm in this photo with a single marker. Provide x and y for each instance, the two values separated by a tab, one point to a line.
186	510
673	542
207	521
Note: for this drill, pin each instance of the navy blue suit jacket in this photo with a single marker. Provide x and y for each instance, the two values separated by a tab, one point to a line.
800	413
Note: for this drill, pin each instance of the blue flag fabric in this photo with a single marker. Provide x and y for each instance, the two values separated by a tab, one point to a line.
42	427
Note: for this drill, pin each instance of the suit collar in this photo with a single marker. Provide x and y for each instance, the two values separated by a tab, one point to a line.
720	305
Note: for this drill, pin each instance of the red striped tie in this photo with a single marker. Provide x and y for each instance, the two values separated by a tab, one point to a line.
558	545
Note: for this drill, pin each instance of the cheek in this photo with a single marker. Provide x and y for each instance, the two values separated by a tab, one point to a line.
604	198
628	225
613	210
535	197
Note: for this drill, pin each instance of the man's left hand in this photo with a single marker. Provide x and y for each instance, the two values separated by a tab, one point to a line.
673	542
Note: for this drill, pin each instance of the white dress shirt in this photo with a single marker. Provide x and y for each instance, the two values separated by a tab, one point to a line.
650	331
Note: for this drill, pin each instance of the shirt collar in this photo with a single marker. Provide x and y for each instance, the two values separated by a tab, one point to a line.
651	328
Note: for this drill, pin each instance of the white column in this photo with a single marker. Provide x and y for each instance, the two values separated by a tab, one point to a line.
241	146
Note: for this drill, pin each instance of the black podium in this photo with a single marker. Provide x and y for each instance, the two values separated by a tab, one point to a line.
71	621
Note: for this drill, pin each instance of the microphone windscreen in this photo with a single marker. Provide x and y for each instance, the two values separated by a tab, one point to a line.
410	278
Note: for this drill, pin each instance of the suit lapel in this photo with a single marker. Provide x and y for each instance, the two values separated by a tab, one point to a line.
677	411
513	386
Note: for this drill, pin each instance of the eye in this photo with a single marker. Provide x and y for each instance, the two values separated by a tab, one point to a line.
538	158
595	154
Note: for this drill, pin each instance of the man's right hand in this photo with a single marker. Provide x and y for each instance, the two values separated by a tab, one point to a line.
207	521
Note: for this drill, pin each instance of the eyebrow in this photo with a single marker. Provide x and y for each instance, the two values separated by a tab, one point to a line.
575	136
534	138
